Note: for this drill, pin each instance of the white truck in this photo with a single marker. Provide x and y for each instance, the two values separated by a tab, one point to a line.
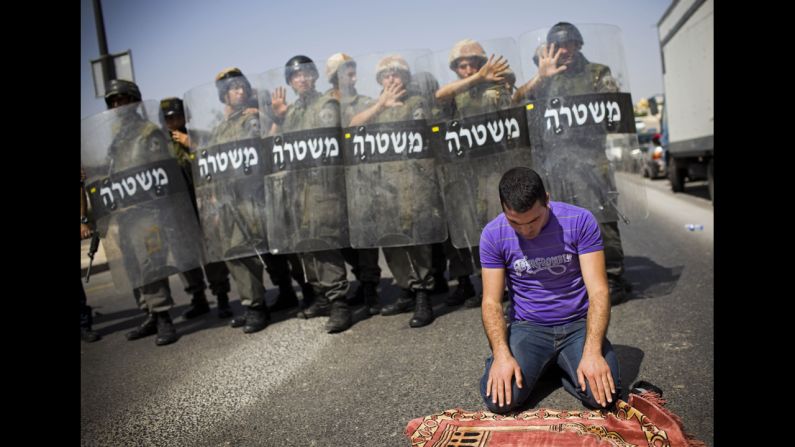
686	44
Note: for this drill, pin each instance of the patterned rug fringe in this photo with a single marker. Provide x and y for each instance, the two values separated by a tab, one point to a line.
656	399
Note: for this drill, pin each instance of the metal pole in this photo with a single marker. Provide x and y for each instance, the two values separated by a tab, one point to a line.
108	69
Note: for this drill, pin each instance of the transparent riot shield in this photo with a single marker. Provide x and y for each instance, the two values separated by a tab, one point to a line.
478	135
581	119
304	176
393	195
227	165
139	196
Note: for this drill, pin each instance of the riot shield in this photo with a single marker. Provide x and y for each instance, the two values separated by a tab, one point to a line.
581	119
304	177
393	196
479	134
227	165
139	196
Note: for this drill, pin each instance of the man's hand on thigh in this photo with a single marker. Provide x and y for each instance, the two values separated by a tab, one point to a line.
501	374
596	371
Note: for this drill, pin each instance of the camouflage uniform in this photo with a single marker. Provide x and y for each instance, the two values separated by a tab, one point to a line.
483	98
325	270
217	272
351	105
137	142
363	261
411	266
247	272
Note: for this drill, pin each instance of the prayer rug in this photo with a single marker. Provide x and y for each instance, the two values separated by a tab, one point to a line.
643	421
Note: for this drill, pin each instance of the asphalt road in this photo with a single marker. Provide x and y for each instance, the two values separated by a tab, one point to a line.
293	384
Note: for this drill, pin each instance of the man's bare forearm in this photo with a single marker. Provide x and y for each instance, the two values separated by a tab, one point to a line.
596	322
494	325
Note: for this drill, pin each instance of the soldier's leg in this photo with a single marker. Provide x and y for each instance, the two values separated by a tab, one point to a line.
411	267
614	261
297	272
86	334
399	264
218	277
364	265
138	301
463	263
351	256
279	270
193	280
439	262
157	297
369	270
369	276
325	271
149	325
247	274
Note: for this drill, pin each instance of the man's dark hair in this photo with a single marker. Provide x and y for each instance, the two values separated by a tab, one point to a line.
521	188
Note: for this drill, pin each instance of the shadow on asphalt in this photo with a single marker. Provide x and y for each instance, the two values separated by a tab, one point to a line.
649	279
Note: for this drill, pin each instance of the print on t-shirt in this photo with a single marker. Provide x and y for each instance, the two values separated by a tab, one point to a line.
555	264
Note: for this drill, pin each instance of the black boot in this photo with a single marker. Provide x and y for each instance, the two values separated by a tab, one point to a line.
166	333
461	293
440	283
148	327
404	303
89	336
319	308
423	312
198	306
358	296
370	297
224	310
238	321
308	295
340	318
257	318
287	298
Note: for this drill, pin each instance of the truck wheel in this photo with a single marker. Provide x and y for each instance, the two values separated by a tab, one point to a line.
676	176
711	180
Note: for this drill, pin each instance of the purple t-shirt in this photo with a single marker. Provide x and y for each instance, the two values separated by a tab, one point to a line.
543	274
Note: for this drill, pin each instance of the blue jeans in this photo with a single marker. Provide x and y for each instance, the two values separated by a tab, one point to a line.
534	347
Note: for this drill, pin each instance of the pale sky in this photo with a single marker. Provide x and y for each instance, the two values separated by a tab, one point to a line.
181	44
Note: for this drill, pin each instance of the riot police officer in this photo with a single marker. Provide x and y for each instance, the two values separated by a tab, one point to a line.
155	298
563	70
217	273
411	265
341	74
325	268
234	91
480	88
